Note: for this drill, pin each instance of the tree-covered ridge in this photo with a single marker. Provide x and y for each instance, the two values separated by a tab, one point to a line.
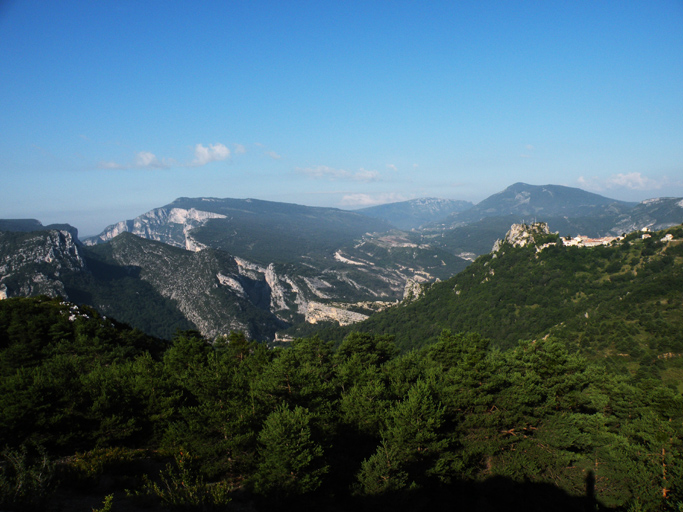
622	301
357	427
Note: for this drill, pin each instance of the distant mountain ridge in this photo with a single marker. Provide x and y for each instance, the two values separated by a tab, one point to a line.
248	228
542	202
567	210
415	213
28	225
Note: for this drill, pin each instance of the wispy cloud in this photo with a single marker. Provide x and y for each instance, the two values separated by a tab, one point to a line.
147	160
110	165
325	172
372	200
631	181
240	149
143	160
273	155
392	167
211	153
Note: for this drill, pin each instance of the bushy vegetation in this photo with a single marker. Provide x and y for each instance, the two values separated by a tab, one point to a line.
197	426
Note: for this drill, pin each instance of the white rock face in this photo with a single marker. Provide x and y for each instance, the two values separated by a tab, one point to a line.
318	312
469	256
413	290
233	284
277	291
183	216
339	257
170	226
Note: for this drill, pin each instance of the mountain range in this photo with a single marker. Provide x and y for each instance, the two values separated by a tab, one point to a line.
262	267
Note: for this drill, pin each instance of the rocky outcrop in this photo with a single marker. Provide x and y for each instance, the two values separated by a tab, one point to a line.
521	235
413	290
318	312
33	263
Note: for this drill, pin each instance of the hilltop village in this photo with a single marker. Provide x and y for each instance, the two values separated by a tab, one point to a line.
584	241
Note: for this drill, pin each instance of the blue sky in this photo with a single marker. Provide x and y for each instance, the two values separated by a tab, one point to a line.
111	108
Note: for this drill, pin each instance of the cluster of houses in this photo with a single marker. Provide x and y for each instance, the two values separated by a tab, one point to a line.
584	241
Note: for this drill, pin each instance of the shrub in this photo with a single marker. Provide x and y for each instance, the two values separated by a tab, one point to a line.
26	478
181	485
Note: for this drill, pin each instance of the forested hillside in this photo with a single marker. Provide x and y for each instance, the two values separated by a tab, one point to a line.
95	413
621	303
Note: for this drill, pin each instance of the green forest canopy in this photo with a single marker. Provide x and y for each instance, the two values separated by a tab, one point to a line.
359	426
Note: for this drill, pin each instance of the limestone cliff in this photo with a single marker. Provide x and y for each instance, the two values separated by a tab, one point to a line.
171	226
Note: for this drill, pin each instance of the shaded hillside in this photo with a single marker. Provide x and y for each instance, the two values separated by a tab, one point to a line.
153	286
285	234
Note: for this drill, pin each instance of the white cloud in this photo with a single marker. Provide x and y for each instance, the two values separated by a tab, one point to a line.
392	167
240	149
273	155
363	200
148	160
631	181
634	181
213	153
322	171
